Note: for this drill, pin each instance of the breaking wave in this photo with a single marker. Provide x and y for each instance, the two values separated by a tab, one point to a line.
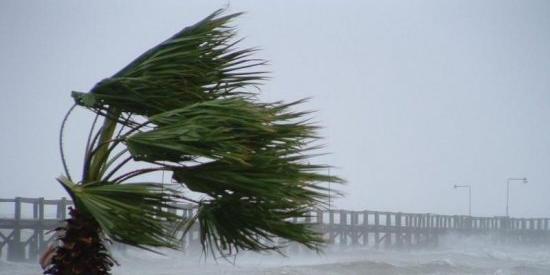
455	255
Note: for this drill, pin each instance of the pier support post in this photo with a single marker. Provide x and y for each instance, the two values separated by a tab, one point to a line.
344	229
388	230
331	226
376	230
365	228
354	228
16	249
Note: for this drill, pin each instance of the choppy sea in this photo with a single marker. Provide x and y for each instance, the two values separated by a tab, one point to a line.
453	256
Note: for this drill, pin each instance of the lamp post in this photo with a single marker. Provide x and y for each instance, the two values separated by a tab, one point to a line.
524	180
469	196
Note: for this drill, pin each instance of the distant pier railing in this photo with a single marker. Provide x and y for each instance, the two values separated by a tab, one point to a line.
24	234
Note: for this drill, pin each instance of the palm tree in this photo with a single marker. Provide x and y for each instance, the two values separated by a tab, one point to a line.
185	107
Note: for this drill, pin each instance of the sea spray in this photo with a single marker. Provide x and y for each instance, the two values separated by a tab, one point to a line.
455	255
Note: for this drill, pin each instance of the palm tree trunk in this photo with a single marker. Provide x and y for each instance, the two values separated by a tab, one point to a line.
82	250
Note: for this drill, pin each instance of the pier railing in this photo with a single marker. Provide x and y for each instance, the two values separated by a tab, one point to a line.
24	232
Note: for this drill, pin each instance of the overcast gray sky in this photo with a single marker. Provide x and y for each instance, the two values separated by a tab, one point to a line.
414	96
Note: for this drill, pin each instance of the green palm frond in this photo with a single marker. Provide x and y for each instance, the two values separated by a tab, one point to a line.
185	107
266	177
251	204
231	129
234	223
199	63
137	214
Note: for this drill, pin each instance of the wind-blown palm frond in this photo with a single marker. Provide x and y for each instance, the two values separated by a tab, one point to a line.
255	227
224	129
137	214
198	63
185	107
266	177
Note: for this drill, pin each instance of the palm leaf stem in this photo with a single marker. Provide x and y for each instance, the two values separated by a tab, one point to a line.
88	156
124	125
102	151
132	130
111	116
112	160
89	144
139	172
112	142
64	162
120	165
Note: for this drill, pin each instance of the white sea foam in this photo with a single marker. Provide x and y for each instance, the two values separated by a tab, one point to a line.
453	256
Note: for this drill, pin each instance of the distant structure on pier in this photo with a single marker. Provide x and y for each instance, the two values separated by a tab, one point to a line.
24	238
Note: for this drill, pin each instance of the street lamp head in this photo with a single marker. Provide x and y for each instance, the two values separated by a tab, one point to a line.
524	180
455	186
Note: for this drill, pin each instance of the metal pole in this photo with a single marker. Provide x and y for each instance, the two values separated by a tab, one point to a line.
524	180
507	196
469	201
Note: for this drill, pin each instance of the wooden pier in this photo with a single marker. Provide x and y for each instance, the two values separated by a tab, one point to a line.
25	234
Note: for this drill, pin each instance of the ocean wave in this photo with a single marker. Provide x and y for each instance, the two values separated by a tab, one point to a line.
474	261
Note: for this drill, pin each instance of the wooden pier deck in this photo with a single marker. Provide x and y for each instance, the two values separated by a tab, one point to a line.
25	234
